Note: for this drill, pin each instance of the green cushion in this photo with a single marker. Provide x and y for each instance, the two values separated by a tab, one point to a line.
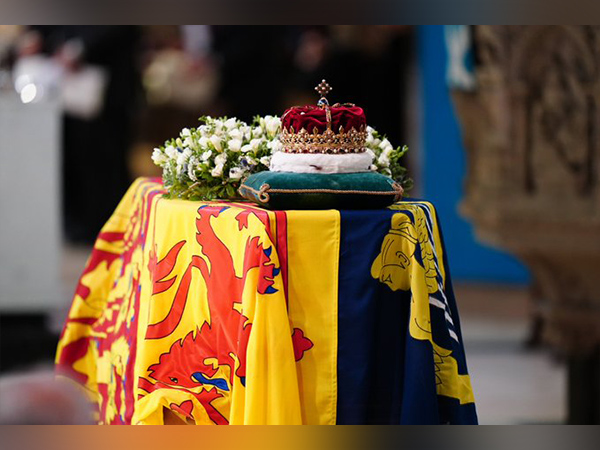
286	190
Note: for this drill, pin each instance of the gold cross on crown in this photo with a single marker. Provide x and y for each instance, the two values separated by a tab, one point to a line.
323	88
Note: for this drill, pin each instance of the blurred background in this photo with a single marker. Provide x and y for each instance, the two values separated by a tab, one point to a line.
82	107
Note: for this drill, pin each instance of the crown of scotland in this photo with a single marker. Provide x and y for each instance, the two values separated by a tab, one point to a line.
340	128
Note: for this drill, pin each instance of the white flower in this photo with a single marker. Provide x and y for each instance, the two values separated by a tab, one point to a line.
221	159
230	123
266	160
183	157
246	148
369	139
274	145
254	143
272	125
203	142
245	132
217	170
216	142
235	173
384	160
385	144
373	167
171	151
370	152
236	133
204	157
159	157
370	130
188	142
248	160
186	132
191	168
376	142
257	132
235	145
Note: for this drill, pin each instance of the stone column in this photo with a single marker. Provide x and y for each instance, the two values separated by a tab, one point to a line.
531	129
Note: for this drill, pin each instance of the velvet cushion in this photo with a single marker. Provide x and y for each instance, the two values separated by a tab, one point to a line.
287	190
310	117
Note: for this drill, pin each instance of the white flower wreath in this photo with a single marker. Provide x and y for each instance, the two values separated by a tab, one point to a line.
209	162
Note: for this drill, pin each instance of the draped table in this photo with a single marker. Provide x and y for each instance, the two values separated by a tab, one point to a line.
223	312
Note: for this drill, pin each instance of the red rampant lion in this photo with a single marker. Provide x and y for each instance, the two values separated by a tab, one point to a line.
196	360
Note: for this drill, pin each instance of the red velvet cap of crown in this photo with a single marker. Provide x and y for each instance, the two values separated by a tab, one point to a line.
310	117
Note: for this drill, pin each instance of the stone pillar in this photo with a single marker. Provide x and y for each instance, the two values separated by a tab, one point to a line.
531	128
30	237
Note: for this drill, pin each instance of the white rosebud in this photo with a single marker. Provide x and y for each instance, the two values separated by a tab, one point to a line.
257	132
266	160
376	142
370	130
185	132
385	144
171	151
204	157
235	173
221	159
230	123
216	142
369	139
235	145
217	170
373	168
246	148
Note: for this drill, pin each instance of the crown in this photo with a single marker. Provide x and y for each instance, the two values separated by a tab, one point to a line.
340	128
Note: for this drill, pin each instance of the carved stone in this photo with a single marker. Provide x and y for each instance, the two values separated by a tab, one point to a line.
532	132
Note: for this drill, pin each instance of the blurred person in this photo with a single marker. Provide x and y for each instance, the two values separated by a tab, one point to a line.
95	141
38	398
181	83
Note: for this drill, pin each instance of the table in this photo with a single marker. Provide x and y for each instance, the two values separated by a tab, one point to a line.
223	312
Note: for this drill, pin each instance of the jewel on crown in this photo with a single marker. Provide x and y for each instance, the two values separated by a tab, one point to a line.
336	129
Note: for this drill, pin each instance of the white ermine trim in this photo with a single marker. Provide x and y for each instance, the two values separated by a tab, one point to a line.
321	163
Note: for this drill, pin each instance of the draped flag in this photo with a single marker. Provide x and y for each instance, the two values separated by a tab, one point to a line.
224	312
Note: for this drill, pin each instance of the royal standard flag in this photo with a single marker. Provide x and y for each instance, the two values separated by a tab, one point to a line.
226	313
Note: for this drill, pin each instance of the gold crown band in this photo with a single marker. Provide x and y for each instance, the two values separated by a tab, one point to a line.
351	141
